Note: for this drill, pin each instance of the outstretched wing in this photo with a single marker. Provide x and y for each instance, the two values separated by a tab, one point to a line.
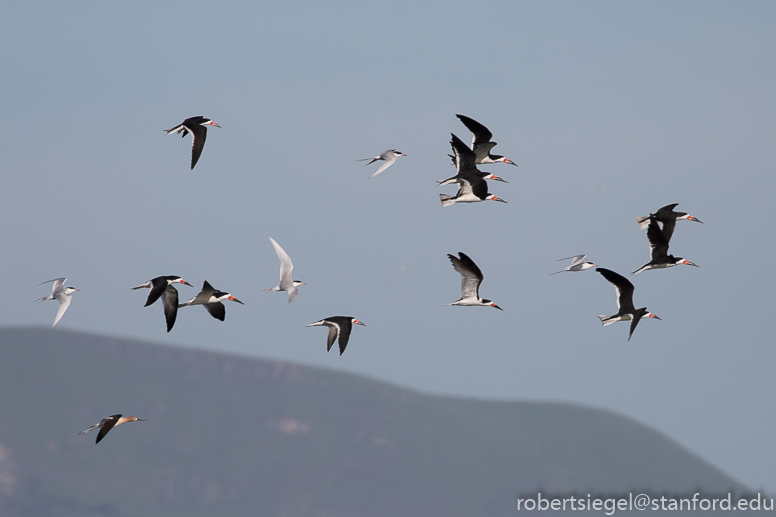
623	287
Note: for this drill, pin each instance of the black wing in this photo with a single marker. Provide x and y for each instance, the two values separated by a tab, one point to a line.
344	334
478	185
107	425
333	333
198	137
217	310
658	243
464	157
481	134
635	321
158	285
170	301
623	286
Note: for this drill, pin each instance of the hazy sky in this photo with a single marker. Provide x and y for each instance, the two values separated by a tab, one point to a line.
611	110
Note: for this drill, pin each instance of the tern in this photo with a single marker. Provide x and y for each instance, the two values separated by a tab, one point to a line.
624	302
667	218
481	144
286	267
339	328
108	423
60	293
473	188
578	263
211	299
658	249
161	286
390	156
197	127
471	278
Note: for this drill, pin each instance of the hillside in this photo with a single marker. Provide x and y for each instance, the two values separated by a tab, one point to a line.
237	436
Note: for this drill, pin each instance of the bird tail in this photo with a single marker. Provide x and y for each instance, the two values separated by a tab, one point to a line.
446	200
604	322
365	159
643	222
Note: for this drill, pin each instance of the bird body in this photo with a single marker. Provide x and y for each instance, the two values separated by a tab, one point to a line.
658	250
667	217
471	278
627	311
286	267
108	423
211	299
197	127
161	287
578	263
389	156
60	293
339	329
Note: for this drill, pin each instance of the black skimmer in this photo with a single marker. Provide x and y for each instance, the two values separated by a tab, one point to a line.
471	278
667	218
339	327
197	127
624	302
161	286
482	175
390	156
473	187
658	250
286	267
108	423
481	144
578	263
60	293
211	299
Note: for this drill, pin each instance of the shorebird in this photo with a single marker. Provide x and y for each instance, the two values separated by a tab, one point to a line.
60	293
389	156
624	302
195	126
211	299
286	267
161	286
578	263
658	250
473	188
471	278
667	218
481	144
482	175
108	423
339	327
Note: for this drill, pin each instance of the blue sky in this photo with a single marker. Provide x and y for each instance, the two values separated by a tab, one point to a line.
611	110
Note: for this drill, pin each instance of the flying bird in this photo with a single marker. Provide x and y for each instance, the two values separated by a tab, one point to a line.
471	278
60	293
390	156
667	218
658	250
211	299
480	174
624	302
473	188
161	286
197	127
481	144
578	263
286	267
108	423
339	328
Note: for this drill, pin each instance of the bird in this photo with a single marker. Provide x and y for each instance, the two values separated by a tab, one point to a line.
286	267
161	286
658	250
473	188
390	156
481	144
211	299
471	278
108	423
60	293
667	218
482	175
339	328
195	126
578	263
624	302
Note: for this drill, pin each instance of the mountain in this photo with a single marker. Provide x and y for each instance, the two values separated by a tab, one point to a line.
238	436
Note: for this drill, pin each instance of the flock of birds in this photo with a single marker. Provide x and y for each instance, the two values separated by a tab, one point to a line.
472	188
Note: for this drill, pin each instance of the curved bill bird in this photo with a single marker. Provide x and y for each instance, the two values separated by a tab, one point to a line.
286	267
390	156
161	286
481	142
60	293
473	187
197	127
667	218
471	278
108	423
658	250
211	299
624	302
578	263
339	328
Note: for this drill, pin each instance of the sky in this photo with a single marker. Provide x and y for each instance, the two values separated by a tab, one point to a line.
611	110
